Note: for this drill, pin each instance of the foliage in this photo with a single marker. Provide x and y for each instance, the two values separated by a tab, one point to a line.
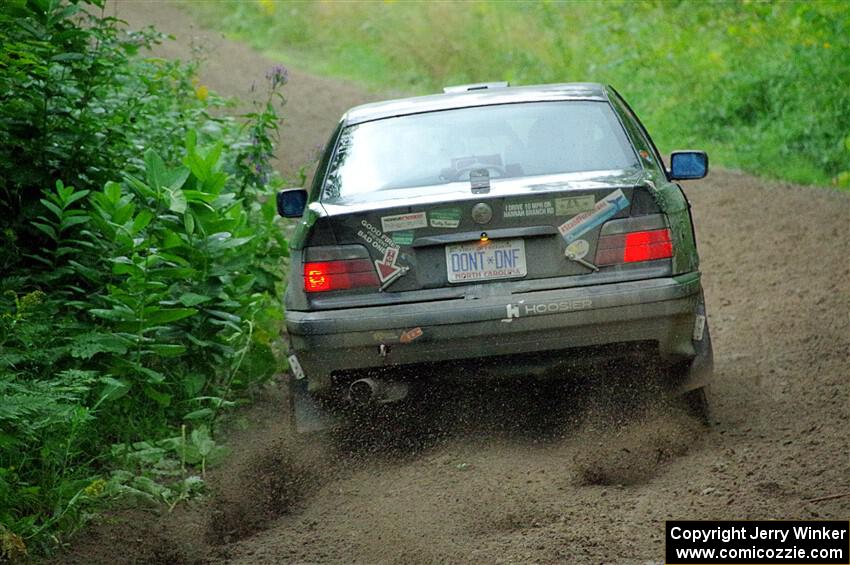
762	85
141	267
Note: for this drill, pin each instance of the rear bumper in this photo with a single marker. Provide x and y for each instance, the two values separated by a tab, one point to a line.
661	310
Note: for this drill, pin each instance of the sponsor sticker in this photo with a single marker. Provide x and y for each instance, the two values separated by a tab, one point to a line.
699	327
385	336
577	249
582	223
521	309
403	237
574	205
295	367
445	218
400	222
529	209
410	335
387	268
374	237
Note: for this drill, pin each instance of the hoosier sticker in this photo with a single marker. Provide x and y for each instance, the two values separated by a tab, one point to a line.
404	221
517	310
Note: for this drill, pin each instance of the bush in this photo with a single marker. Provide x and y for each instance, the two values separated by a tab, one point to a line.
142	265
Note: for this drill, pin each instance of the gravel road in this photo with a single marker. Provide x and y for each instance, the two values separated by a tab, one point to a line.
535	480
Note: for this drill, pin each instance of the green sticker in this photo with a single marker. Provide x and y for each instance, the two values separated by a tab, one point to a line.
445	218
574	205
403	237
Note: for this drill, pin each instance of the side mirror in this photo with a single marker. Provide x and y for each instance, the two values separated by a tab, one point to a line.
291	202
688	165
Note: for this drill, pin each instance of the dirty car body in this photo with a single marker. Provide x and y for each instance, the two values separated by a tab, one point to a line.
485	232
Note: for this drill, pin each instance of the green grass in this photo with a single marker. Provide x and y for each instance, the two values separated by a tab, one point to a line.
765	87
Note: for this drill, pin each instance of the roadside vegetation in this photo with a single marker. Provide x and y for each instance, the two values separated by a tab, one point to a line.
761	85
140	268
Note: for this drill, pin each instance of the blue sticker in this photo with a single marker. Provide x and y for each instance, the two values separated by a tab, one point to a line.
582	223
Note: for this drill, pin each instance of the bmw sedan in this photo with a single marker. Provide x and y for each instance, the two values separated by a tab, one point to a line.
490	232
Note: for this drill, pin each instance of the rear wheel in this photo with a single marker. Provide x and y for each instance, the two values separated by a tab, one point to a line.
696	404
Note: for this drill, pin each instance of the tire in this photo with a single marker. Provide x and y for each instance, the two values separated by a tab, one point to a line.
697	405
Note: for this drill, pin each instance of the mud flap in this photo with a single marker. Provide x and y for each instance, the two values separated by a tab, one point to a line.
699	371
702	366
308	414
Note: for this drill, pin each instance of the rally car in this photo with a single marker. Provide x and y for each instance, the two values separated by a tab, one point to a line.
489	230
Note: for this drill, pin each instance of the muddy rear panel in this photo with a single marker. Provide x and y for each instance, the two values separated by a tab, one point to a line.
529	235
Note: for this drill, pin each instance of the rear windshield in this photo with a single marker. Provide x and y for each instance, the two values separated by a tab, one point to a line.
509	141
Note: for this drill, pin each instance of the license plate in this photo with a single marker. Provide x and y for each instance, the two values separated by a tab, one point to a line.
483	261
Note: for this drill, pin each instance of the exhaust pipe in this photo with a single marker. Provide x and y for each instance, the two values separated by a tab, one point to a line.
376	391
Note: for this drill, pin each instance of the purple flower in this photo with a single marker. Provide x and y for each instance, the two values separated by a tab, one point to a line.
278	75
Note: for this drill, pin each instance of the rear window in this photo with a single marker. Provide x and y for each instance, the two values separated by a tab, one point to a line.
510	140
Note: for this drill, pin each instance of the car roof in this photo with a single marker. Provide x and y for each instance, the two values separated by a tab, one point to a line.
483	97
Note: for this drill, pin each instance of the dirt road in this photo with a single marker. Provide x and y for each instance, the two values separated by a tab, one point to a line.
531	481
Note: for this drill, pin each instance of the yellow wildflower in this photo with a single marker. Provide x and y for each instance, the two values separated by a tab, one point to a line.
202	92
95	488
31	300
826	45
268	6
12	546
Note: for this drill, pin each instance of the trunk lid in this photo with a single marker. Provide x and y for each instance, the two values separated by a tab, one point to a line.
520	230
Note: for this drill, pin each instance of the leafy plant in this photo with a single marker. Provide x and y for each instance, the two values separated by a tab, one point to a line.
141	270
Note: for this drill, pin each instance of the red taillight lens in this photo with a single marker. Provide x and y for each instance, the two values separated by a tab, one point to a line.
322	276
648	245
633	247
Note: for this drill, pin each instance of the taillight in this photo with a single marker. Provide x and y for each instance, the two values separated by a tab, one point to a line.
322	276
634	246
